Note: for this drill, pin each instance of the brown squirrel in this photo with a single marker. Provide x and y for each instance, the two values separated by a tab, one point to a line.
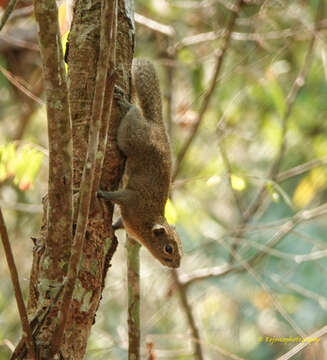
143	139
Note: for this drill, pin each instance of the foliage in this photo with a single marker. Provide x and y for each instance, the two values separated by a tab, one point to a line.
235	312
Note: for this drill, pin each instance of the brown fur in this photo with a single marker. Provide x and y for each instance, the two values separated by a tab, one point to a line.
143	139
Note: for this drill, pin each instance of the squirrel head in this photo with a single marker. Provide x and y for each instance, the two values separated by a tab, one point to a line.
164	244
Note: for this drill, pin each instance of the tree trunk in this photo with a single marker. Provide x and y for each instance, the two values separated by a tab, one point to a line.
100	244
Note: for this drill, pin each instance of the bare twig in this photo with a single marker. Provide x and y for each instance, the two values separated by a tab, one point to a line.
212	86
9	9
18	293
321	300
10	77
108	52
108	10
246	266
311	257
284	230
316	335
155	25
290	101
190	318
133	280
300	169
28	208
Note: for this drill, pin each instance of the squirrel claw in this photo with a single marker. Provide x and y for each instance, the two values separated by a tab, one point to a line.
120	98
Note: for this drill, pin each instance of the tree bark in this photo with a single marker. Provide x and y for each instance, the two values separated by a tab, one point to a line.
100	244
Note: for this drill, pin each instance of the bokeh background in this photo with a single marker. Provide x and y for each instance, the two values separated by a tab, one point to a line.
271	90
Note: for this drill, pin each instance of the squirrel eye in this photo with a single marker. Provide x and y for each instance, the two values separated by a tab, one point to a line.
168	249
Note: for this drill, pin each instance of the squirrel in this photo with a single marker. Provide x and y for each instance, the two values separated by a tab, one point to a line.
143	139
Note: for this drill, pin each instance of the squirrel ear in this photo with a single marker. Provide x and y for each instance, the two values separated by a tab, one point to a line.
158	229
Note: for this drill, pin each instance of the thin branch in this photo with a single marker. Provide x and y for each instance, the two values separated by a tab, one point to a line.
212	86
296	349
9	9
133	281
59	131
300	169
247	267
290	101
10	77
28	208
321	300
190	318
155	25
284	230
108	52
311	257
244	36
108	10
18	292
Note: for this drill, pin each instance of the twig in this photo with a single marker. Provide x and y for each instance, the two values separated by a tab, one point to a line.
18	293
284	230
9	9
10	77
311	257
108	9
107	70
133	281
155	25
290	101
316	335
59	133
246	266
300	169
188	312
212	86
242	36
321	300
28	208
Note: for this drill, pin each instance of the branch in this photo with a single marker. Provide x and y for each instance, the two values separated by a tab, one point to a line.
59	133
133	281
321	300
18	293
316	335
300	169
290	101
13	79
188	312
107	71
107	13
155	25
9	9
212	86
284	230
246	266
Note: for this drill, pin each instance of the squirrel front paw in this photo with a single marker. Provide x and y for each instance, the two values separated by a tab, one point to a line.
120	98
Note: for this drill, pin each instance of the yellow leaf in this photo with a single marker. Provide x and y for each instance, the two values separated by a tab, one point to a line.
309	186
170	212
237	182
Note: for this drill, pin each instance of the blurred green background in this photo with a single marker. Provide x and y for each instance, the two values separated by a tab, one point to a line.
227	163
